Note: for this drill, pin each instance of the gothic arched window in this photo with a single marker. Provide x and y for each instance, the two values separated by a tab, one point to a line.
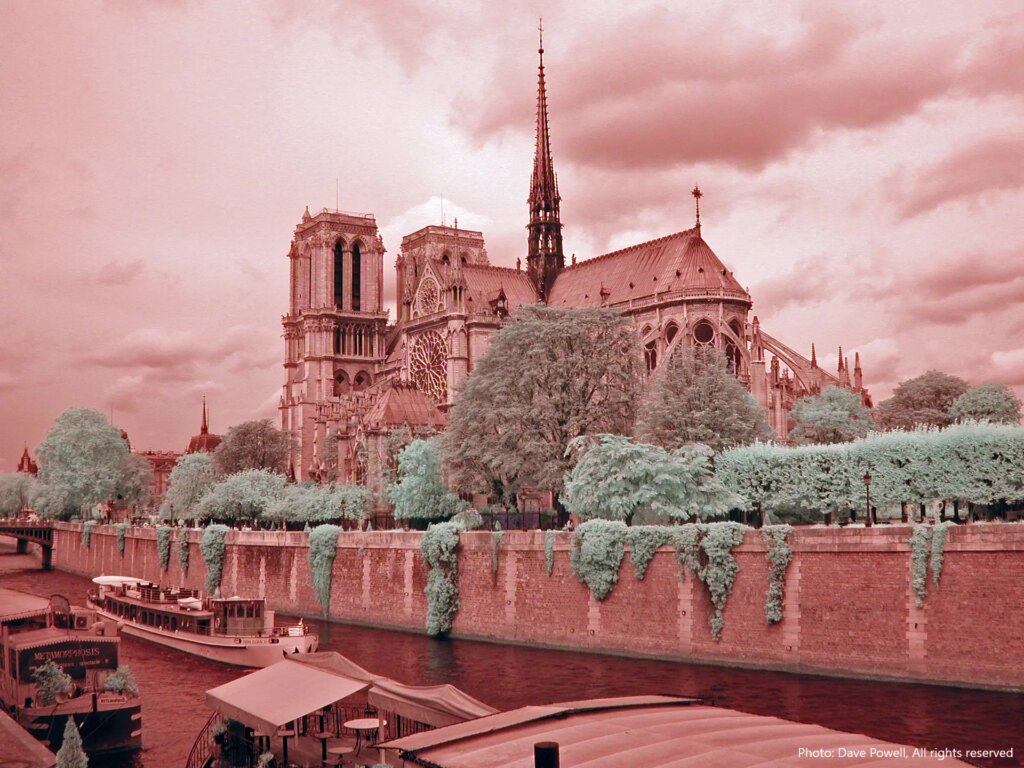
357	275
651	356
670	332
446	259
361	381
339	272
340	383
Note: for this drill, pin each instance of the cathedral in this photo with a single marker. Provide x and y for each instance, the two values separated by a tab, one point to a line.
352	377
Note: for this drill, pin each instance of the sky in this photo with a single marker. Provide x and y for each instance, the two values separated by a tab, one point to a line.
862	166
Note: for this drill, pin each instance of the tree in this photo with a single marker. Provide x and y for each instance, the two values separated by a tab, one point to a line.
192	476
922	401
420	492
16	492
253	445
243	496
71	753
548	377
615	478
312	503
836	415
987	402
83	461
694	399
134	488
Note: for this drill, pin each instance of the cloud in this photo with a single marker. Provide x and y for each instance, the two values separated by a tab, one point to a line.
689	95
118	273
991	166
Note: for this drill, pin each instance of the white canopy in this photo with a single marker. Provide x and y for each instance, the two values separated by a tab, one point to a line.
117	581
276	695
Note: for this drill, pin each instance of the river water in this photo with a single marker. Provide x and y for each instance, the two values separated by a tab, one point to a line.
505	676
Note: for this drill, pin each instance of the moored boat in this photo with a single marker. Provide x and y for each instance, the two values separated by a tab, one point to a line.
232	630
34	631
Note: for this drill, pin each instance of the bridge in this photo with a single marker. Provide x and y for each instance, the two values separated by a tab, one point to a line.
26	533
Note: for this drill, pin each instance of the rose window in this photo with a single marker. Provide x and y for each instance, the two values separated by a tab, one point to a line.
429	366
703	333
428	298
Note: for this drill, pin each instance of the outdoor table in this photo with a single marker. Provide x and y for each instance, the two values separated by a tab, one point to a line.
364	724
339	753
323	736
284	733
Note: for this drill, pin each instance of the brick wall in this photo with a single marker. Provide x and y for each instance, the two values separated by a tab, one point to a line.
848	608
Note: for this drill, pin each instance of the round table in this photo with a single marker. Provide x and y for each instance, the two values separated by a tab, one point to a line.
339	752
364	724
323	736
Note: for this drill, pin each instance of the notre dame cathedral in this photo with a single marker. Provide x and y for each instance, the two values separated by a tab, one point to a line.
352	377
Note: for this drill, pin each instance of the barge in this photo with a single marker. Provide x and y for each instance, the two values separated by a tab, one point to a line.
231	630
34	631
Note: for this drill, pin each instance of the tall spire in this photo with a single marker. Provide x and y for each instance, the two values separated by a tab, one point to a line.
697	195
544	257
204	428
814	356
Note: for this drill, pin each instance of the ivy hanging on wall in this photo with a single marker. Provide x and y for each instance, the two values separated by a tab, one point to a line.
598	549
440	549
323	546
644	541
183	550
779	555
211	547
121	529
497	536
705	549
87	533
927	548
549	550
163	545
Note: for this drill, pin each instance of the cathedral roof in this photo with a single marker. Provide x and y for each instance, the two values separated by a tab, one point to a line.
679	263
484	282
402	403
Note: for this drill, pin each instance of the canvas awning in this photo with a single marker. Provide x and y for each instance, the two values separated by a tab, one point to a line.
276	695
436	705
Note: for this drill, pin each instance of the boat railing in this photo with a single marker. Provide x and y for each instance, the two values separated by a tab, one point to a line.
203	747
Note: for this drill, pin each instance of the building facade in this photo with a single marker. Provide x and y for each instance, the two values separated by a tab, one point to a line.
351	378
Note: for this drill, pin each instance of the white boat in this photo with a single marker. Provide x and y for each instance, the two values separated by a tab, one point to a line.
232	630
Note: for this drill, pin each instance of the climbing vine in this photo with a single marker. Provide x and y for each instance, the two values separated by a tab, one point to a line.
644	541
549	550
779	555
121	529
688	549
163	545
719	574
920	547
497	536
440	549
183	551
87	533
939	533
211	546
598	549
323	546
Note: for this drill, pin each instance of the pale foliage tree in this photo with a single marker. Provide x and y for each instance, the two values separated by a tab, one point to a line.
311	503
987	402
84	461
243	496
836	415
695	399
16	492
192	476
921	401
253	445
71	753
420	491
136	484
547	378
615	478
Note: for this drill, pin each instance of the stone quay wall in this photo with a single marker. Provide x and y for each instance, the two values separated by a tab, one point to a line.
848	610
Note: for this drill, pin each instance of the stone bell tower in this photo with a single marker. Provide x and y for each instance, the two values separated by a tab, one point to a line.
334	330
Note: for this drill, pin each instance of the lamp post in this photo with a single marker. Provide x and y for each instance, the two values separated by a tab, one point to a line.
867	490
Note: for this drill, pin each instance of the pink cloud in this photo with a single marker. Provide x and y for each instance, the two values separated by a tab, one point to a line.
119	273
993	165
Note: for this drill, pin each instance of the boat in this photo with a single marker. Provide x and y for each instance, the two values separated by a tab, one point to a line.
240	631
34	630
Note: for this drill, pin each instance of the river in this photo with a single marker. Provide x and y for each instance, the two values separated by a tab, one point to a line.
506	676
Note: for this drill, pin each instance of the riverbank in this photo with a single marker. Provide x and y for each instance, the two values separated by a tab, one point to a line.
849	607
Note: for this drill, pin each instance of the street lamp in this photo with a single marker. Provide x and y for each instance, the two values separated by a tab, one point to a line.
867	490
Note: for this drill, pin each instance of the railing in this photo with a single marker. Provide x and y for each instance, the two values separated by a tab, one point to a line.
203	747
525	521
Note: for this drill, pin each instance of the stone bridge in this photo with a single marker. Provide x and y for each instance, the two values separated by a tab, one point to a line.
35	533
